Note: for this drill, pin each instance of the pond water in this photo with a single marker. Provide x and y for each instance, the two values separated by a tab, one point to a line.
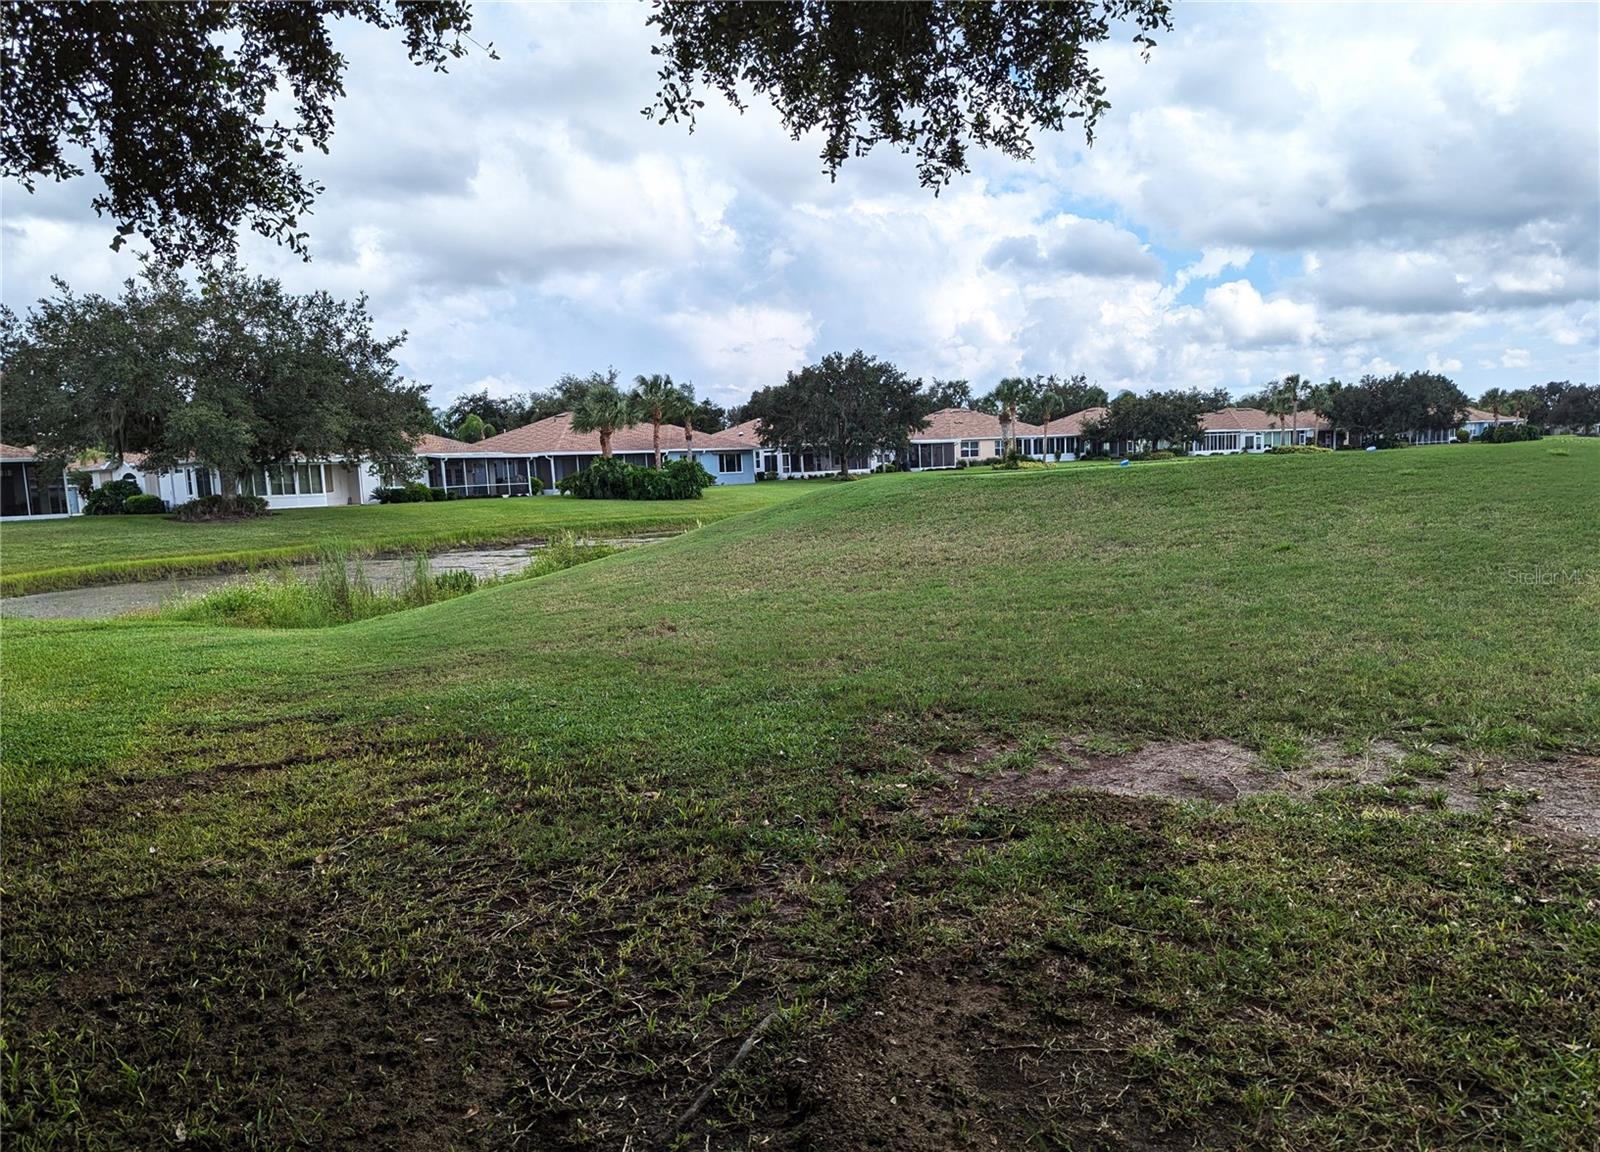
116	599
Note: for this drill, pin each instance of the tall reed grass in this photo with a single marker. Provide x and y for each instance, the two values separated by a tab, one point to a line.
340	592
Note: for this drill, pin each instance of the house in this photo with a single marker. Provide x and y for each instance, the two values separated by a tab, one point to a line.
1231	430
29	491
786	463
536	457
296	484
1478	421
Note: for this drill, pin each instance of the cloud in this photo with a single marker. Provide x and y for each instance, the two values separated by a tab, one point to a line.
1075	245
1247	320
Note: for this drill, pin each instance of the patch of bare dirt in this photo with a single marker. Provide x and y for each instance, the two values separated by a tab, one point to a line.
936	1059
1558	797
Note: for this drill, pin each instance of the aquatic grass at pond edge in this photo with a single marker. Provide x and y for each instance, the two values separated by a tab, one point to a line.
341	593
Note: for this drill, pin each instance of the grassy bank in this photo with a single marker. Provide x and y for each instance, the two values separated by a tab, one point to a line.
531	865
56	554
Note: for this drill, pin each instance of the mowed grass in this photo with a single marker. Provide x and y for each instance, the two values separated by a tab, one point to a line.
55	554
526	868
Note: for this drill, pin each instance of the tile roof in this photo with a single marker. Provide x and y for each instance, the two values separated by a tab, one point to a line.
1255	420
1073	425
430	444
554	435
1488	417
960	424
12	452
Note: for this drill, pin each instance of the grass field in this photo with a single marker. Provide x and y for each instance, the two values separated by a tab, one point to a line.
54	554
527	868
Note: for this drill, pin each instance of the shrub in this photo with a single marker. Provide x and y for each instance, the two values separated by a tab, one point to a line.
1509	434
221	508
142	505
1295	449
1010	462
107	500
611	479
1463	436
413	493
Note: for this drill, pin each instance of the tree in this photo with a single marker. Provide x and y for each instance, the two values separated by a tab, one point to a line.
657	399
927	78
851	405
944	394
601	406
1292	386
235	374
1049	404
706	416
1071	394
500	411
1495	400
470	430
1277	401
170	101
1576	408
1010	394
1152	419
1323	400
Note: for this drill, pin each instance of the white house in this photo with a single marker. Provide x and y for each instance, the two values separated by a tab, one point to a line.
297	484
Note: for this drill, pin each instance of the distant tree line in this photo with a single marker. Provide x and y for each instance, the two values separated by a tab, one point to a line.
233	372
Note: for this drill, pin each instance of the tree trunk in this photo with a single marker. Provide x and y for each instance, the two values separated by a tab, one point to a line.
605	442
655	440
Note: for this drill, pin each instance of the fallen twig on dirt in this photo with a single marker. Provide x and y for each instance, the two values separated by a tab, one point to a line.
738	1058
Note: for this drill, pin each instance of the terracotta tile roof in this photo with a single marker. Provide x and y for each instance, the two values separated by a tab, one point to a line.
554	435
746	435
430	444
1073	425
1255	420
960	424
12	452
1488	417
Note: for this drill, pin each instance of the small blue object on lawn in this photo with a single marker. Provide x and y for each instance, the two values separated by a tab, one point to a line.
1124	463
1371	448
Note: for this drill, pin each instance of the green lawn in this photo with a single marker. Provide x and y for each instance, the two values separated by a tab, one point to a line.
528	866
54	554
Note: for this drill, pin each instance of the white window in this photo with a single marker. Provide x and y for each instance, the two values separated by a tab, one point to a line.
999	447
969	449
730	462
280	478
309	478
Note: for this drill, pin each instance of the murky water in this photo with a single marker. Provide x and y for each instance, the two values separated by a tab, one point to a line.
117	599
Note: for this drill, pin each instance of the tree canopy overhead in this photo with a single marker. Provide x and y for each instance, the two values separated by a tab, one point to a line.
169	102
931	78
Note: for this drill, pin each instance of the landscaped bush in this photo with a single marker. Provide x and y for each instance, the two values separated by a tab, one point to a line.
611	479
1010	462
439	493
142	505
414	493
107	500
1509	434
1295	449
237	507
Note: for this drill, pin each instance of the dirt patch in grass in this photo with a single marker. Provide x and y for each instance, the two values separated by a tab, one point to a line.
938	1057
1559	797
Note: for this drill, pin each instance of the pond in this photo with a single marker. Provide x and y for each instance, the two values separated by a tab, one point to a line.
107	600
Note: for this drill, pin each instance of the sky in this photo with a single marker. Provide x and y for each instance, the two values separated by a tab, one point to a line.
1324	189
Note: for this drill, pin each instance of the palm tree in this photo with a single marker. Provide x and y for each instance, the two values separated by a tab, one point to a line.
1049	405
1494	400
602	408
1292	384
1011	393
655	398
1277	402
684	406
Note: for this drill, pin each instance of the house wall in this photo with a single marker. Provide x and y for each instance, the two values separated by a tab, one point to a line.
710	460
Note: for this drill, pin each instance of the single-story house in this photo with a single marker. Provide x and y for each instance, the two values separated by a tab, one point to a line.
295	484
1231	430
786	463
1478	421
534	458
28	491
